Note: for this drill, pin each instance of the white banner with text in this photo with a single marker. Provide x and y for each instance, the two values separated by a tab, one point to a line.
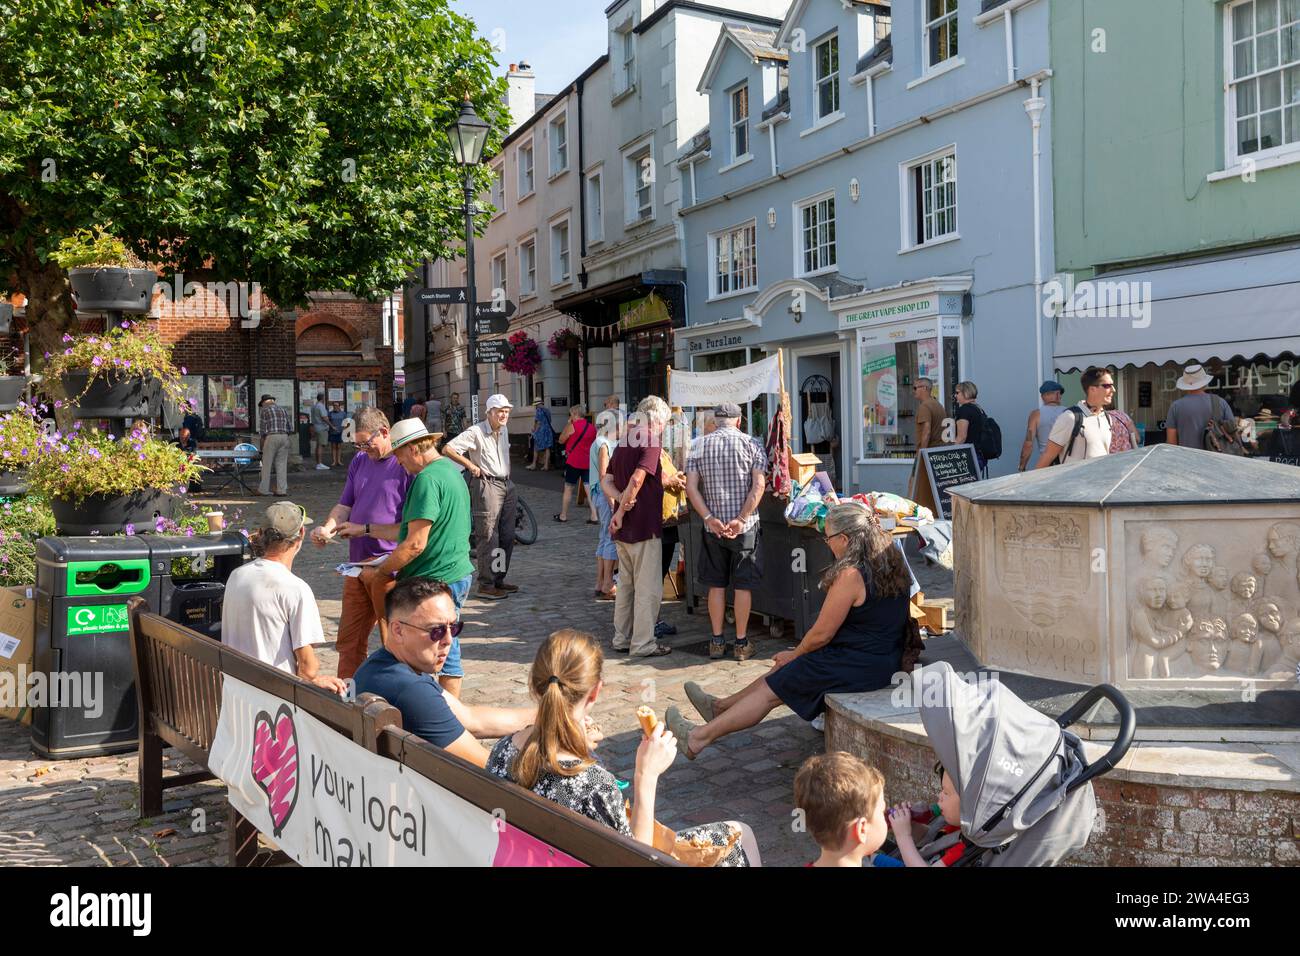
739	385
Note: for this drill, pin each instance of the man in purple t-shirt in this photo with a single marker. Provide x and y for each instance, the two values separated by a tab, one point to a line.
374	493
634	482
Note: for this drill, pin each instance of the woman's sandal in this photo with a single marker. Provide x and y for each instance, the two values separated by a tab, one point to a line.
701	701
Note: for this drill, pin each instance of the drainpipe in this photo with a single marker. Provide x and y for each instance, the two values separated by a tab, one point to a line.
1011	46
1034	108
771	144
582	194
871	107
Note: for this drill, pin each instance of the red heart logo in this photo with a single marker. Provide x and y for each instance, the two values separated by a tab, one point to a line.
275	763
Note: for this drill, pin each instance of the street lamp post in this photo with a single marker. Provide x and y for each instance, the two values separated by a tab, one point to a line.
468	135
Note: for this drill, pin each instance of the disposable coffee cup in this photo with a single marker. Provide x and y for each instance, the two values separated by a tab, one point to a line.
216	521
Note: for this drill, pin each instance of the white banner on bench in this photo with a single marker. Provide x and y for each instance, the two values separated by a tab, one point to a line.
326	801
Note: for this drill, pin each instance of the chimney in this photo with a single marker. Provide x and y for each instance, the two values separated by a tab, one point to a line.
520	99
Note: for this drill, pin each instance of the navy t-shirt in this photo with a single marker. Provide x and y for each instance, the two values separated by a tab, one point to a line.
418	696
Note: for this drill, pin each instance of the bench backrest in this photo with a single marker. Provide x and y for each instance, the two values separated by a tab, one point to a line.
179	675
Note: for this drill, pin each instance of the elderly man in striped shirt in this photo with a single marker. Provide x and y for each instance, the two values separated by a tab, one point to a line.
726	472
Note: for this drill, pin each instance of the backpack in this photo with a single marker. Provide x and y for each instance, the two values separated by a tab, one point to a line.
1222	436
1121	438
990	443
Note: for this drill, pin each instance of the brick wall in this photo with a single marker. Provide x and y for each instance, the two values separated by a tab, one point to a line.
339	324
207	340
1144	824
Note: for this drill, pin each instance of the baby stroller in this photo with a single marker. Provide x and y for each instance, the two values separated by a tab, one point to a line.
1024	784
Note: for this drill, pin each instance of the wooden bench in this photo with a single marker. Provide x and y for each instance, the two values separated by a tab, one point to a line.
179	675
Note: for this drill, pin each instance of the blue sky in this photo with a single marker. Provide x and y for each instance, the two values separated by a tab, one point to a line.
560	38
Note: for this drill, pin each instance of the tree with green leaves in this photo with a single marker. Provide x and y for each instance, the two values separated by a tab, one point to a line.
296	143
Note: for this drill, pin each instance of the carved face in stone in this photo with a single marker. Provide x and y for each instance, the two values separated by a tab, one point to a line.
1290	641
1282	539
1244	586
1199	561
1261	564
1177	596
1154	592
1158	546
1269	616
1208	644
1219	577
1245	628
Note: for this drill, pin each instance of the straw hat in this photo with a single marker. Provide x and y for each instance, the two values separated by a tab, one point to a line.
1194	377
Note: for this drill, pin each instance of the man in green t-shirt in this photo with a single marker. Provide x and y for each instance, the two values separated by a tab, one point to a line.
433	536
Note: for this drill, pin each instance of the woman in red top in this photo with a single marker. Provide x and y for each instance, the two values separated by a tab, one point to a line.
576	439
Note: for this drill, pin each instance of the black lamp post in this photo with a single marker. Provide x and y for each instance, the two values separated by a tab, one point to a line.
467	137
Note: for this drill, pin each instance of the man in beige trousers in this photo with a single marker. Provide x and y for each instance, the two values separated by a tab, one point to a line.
635	483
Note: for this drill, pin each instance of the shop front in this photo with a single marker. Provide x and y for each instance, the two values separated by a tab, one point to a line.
1239	317
730	344
897	336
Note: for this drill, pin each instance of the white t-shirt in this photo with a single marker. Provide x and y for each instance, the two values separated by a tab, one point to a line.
1094	437
268	612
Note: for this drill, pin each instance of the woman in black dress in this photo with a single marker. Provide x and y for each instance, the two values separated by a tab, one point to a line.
855	645
553	757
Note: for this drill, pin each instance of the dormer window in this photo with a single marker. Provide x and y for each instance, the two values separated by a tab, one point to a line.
739	98
940	31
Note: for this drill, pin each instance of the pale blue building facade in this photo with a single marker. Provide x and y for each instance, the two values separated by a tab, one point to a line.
863	199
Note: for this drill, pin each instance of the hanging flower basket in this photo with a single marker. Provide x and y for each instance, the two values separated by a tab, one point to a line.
525	356
104	274
563	340
122	373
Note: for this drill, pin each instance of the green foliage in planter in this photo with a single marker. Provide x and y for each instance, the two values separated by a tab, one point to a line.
131	350
22	521
87	247
20	434
86	461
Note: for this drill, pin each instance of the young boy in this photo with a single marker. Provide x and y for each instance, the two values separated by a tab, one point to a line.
902	816
843	801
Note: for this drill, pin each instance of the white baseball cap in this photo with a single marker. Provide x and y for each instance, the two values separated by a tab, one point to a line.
498	401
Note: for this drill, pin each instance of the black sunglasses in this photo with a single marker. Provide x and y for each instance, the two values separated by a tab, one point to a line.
436	633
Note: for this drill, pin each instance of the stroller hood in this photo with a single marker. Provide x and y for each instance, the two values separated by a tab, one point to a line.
997	748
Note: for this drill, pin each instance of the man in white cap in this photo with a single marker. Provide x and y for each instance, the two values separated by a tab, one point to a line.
432	536
270	613
483	450
1188	415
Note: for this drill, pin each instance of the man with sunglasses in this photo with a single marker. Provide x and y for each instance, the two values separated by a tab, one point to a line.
1083	431
423	620
373	496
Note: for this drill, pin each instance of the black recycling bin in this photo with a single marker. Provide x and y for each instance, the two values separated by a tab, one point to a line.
83	645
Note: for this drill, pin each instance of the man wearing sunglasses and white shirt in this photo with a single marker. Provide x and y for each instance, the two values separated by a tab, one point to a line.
270	613
1083	431
422	621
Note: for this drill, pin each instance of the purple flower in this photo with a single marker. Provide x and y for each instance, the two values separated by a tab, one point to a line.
147	350
189	532
65	352
111	437
126	325
97	361
129	530
65	468
67	337
142	457
184	370
59	404
126	363
76	426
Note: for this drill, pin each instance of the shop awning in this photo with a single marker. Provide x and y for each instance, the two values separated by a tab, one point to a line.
597	307
1238	307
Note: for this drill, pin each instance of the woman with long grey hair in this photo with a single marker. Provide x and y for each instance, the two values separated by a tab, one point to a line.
855	645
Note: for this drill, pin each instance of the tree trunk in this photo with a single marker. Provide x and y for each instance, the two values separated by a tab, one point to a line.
50	313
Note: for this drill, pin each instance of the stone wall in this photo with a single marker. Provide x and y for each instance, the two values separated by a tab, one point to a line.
1144	824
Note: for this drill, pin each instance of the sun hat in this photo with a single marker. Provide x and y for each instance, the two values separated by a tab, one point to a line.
407	431
286	518
1194	377
498	401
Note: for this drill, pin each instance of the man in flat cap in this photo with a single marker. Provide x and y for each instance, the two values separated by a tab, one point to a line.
726	471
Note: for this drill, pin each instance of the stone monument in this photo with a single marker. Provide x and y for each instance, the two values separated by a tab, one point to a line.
1158	568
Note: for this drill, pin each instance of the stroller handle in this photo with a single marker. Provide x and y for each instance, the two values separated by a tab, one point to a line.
1123	739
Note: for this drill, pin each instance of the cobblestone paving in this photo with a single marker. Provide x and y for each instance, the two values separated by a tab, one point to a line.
83	812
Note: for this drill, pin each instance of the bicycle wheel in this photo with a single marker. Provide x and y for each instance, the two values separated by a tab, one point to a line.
525	524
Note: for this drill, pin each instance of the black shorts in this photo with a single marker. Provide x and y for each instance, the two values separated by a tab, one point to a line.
734	562
574	475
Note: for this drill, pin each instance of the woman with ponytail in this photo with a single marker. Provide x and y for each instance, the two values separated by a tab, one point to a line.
861	638
553	758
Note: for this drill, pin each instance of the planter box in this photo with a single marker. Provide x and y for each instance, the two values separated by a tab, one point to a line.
113	397
13	483
105	514
11	391
110	288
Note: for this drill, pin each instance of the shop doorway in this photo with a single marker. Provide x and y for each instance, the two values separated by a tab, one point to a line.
817	408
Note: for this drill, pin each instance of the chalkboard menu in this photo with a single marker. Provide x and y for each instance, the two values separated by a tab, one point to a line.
946	467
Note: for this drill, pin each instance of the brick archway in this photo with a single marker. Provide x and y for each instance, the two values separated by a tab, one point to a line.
310	321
